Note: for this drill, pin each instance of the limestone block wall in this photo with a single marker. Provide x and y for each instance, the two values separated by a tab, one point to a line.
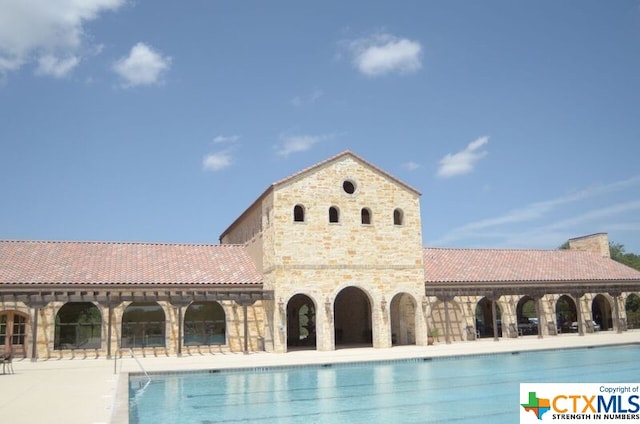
323	285
598	243
348	242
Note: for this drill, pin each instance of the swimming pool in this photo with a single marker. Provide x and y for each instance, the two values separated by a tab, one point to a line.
462	389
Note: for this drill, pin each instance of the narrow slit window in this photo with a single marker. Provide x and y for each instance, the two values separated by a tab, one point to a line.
365	215
298	213
398	217
334	214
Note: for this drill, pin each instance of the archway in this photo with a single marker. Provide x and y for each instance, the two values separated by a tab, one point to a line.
143	325
13	332
566	314
632	308
78	326
352	318
484	319
527	316
205	324
601	312
403	320
446	321
301	322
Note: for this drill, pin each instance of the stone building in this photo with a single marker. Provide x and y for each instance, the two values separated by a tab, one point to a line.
329	257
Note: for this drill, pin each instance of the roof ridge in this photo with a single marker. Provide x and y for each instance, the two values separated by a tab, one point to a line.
139	243
495	249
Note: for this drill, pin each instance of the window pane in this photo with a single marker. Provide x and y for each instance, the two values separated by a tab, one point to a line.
78	326
204	324
143	325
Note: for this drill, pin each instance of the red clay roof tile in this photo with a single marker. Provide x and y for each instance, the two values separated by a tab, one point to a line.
495	265
104	263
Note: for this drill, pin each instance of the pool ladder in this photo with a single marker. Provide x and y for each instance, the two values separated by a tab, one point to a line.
146	374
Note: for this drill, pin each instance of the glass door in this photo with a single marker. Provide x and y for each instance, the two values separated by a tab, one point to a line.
13	328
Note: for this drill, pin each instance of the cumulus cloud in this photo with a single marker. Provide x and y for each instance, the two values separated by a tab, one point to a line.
226	139
143	66
217	161
384	53
464	161
296	144
49	32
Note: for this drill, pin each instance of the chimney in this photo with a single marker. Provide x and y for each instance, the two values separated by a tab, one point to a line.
597	243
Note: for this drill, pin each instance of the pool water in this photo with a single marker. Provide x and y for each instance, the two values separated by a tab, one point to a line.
477	389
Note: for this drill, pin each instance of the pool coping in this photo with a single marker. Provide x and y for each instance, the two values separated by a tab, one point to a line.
120	410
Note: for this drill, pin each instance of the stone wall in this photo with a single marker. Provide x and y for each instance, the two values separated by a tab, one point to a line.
598	243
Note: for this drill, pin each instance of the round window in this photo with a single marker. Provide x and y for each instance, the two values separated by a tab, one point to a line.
349	187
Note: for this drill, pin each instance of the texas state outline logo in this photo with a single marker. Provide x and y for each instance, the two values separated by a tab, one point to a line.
579	402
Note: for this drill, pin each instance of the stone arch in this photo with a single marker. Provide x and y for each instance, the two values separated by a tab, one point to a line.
143	325
632	310
566	313
447	317
78	325
484	319
352	317
601	312
403	319
205	324
526	316
301	322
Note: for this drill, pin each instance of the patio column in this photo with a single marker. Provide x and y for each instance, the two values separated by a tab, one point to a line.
616	312
578	297
494	319
537	300
36	304
179	303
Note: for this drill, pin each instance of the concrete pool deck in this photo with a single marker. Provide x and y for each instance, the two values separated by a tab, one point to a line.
94	391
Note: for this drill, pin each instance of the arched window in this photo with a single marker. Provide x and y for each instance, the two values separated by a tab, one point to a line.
78	326
334	214
298	213
143	325
365	215
204	324
398	217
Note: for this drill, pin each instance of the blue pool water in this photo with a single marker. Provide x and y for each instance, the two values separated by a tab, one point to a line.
478	389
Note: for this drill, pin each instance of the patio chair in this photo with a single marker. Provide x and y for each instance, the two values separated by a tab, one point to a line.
7	363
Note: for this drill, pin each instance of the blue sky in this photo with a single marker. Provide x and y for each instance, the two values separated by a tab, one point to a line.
162	121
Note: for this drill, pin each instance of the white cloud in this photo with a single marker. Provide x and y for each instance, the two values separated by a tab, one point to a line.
56	67
411	166
489	228
384	53
50	32
217	161
464	161
226	139
143	66
297	143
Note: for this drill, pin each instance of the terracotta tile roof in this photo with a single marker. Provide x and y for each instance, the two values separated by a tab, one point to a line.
491	265
104	263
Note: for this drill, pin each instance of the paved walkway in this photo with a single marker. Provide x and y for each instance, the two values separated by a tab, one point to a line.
92	391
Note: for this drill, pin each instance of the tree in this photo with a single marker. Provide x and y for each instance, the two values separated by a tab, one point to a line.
618	254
